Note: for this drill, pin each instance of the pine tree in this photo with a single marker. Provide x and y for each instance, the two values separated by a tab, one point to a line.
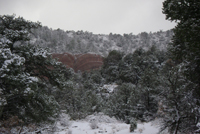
120	104
138	84
110	67
28	73
179	110
186	42
185	49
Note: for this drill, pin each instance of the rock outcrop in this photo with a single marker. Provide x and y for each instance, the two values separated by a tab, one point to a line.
82	62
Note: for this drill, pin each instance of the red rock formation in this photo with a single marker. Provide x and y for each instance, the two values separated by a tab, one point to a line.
66	58
82	62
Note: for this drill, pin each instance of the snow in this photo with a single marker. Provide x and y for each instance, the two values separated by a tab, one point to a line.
105	38
105	125
5	41
94	124
83	127
9	59
3	102
35	79
70	35
27	90
41	53
110	87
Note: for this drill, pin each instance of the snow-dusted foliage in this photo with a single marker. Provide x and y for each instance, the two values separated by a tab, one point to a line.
59	41
136	76
177	105
12	73
184	78
133	125
100	118
28	75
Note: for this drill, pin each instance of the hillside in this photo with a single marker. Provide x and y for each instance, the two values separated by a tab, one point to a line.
59	41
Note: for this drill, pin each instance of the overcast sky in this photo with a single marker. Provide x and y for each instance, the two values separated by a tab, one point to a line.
97	16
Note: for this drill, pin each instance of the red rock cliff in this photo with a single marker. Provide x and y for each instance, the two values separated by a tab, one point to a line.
82	62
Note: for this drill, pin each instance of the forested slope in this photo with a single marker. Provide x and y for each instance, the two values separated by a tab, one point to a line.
59	41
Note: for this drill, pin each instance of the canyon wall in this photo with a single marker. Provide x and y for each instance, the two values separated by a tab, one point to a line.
82	62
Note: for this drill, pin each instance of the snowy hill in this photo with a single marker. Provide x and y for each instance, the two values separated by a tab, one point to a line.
59	41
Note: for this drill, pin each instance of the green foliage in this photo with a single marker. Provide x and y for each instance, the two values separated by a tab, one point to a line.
60	41
138	82
133	125
80	98
185	46
16	29
183	80
28	73
180	110
111	65
120	105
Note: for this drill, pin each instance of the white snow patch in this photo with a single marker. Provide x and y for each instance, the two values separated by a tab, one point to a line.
105	38
107	125
110	87
70	35
43	54
83	127
35	79
100	117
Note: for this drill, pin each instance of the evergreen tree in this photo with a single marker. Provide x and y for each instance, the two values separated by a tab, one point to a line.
140	70
126	71
185	49
186	42
110	67
80	98
28	73
179	109
121	104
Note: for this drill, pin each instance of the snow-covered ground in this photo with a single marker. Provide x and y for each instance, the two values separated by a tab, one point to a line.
102	124
97	123
83	127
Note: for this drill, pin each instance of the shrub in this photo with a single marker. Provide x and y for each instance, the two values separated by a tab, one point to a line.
133	125
94	124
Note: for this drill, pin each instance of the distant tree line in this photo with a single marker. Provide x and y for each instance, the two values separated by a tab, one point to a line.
59	41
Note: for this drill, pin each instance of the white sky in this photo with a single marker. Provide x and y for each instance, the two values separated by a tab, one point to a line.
97	16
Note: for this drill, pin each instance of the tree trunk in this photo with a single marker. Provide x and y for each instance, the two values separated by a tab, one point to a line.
177	126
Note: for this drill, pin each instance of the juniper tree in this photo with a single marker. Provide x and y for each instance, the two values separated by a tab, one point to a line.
185	46
28	73
185	49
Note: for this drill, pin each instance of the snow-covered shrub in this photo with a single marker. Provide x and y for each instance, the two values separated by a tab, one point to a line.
69	131
133	125
64	120
94	124
11	125
100	117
